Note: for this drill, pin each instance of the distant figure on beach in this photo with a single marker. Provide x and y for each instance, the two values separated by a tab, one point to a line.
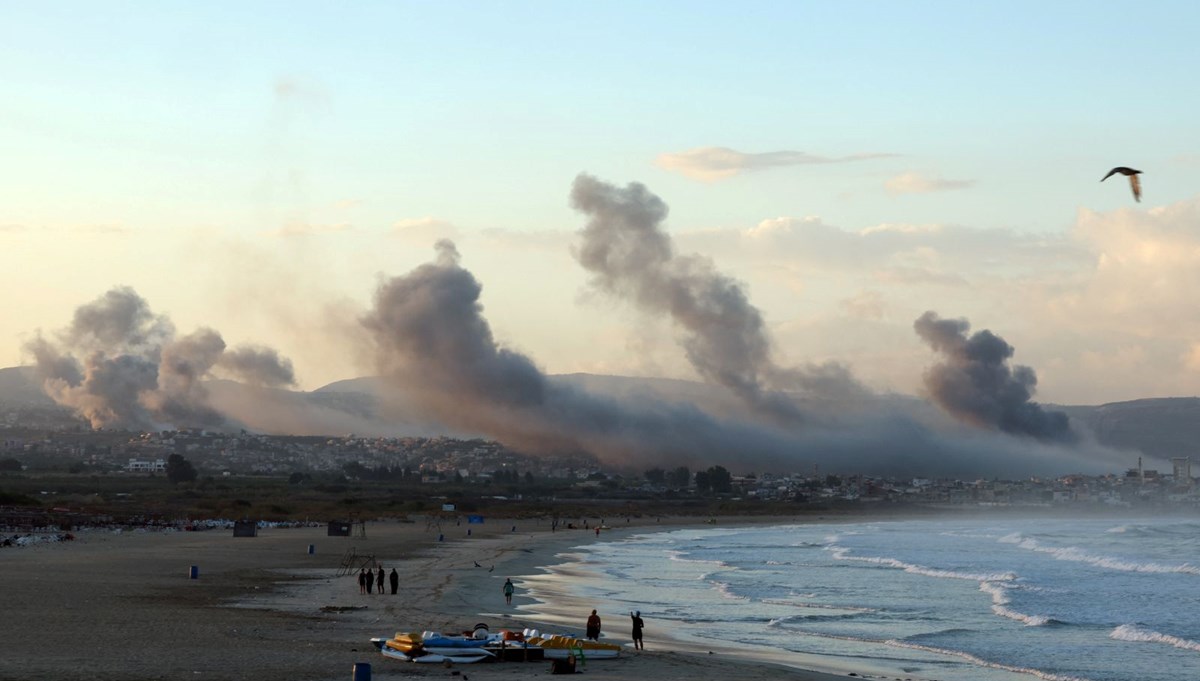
379	580
395	577
369	580
597	531
362	580
508	591
593	627
637	629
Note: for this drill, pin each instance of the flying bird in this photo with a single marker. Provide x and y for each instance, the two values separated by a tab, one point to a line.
491	568
1132	174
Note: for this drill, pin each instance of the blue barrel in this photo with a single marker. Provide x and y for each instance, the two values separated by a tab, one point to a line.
194	572
312	548
362	671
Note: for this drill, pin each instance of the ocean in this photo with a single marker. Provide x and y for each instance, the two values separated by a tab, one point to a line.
951	599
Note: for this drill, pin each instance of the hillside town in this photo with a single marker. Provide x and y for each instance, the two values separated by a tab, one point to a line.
440	460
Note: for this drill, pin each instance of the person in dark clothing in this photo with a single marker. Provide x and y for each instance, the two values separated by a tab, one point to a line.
362	581
637	629
593	626
395	577
370	580
508	591
379	581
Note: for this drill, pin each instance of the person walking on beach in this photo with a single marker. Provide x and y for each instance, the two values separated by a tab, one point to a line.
369	579
362	580
593	627
395	577
379	580
637	629
508	591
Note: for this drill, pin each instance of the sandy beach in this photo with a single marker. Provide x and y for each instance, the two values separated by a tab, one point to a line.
124	606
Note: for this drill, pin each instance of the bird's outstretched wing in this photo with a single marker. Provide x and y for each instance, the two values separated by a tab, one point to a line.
1136	185
1112	172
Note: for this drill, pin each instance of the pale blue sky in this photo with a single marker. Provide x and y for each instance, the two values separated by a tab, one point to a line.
163	145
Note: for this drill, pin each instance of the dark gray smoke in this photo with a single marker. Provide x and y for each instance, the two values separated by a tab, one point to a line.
258	365
121	366
631	257
429	338
975	384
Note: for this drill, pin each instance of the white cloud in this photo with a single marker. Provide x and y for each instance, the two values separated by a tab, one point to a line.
916	183
709	164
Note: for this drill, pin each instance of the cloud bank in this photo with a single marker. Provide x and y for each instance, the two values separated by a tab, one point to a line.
916	183
709	164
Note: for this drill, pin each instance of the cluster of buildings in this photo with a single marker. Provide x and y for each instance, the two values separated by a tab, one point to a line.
442	459
1136	487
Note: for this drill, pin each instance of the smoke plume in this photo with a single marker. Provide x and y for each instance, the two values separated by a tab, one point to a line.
429	338
975	384
631	257
119	365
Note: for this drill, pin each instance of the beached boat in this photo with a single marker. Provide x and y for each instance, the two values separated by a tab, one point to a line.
468	656
560	647
417	648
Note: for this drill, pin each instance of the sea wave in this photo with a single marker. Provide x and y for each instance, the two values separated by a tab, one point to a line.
1001	601
815	606
1075	554
962	655
683	557
1130	632
973	659
842	553
792	619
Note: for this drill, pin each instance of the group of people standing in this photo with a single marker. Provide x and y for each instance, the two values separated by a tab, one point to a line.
593	628
368	580
593	620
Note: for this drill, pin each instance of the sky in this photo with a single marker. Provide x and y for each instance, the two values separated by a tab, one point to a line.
261	168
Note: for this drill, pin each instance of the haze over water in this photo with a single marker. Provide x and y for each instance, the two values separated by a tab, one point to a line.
1000	598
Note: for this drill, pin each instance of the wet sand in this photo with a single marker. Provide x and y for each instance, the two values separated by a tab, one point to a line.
123	606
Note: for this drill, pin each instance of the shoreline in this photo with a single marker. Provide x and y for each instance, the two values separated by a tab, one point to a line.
467	595
121	606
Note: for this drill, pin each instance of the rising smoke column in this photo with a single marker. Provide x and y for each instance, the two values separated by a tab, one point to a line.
975	384
430	340
121	366
631	257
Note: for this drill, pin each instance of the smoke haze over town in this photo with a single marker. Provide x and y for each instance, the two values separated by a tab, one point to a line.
915	273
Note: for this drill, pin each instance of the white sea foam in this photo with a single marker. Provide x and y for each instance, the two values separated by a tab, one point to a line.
1001	600
1130	632
1078	555
724	589
681	557
842	553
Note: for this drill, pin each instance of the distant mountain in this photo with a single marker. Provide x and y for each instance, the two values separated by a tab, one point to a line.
1158	427
19	386
1161	427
